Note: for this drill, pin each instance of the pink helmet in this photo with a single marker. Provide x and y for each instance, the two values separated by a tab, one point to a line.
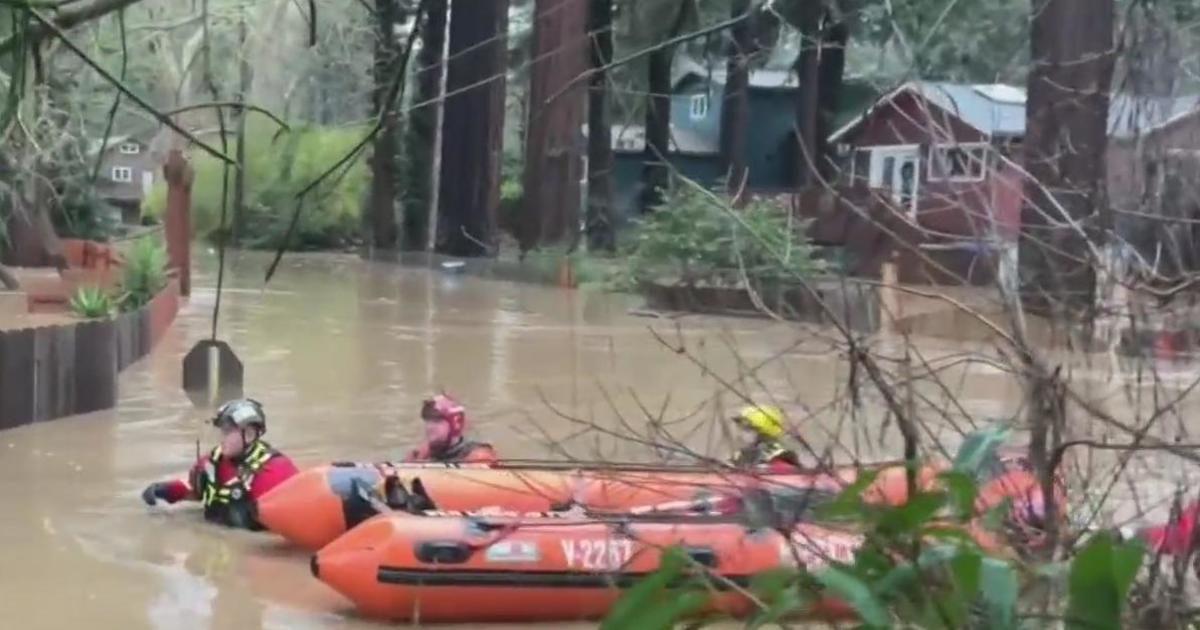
443	407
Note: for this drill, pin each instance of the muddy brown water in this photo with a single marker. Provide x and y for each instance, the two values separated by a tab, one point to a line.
341	351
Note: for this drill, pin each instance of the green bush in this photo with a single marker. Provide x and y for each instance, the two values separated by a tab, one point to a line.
145	273
917	568
277	168
91	303
694	239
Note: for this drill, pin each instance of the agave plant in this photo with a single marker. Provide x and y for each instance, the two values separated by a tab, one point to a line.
145	273
92	303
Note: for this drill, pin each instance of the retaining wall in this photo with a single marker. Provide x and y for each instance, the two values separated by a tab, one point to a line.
54	371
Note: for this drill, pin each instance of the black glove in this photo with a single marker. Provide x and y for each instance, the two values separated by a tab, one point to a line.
153	492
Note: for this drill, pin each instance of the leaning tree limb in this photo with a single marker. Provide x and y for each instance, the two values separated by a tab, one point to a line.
65	17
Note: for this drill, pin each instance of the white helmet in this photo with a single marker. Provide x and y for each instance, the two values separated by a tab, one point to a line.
242	413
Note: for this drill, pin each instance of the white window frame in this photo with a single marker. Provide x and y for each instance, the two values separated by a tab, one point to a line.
898	152
129	148
698	107
122	174
936	163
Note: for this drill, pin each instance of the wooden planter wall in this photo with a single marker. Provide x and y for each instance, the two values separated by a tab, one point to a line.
55	371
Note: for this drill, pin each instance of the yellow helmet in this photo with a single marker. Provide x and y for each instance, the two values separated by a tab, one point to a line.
766	421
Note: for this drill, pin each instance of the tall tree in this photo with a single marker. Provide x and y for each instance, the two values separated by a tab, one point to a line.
386	150
735	103
1065	143
554	148
831	71
472	128
601	225
422	130
807	19
655	170
820	68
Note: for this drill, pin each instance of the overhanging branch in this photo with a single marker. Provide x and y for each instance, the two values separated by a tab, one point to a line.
66	16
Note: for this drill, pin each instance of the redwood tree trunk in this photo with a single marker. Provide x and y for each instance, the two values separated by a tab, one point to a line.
422	129
830	72
554	148
1065	144
655	171
808	99
735	106
472	128
601	225
384	158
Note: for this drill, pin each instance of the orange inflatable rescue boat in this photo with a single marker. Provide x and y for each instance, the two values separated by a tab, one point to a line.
317	505
412	568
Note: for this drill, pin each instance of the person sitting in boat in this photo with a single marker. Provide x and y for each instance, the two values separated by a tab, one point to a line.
230	480
445	435
766	449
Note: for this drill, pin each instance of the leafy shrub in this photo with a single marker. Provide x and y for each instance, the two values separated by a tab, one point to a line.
512	196
145	273
694	239
91	303
919	568
276	169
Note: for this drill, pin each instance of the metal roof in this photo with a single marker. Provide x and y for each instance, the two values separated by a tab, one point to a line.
686	66
999	109
1130	116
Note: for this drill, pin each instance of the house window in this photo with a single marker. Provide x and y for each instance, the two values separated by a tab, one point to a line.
957	162
699	108
860	167
122	174
130	148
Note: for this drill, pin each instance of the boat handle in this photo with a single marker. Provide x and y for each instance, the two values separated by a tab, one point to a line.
443	552
704	556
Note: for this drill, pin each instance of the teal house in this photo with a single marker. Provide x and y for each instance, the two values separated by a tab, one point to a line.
696	101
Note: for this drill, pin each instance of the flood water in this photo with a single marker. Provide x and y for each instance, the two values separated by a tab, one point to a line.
341	352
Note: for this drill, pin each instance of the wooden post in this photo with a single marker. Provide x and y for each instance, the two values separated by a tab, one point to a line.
179	175
889	296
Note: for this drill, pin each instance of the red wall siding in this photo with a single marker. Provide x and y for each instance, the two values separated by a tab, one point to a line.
908	119
945	208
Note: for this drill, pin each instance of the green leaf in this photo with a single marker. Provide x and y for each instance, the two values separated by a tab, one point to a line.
967	568
1100	579
641	606
786	604
979	447
853	591
849	501
913	515
998	589
963	490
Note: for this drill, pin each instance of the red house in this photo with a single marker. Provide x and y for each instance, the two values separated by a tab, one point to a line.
948	156
943	150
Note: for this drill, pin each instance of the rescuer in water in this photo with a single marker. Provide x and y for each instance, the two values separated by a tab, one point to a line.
764	426
235	474
445	435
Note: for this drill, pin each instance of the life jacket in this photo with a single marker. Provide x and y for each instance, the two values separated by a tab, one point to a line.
229	503
763	453
463	451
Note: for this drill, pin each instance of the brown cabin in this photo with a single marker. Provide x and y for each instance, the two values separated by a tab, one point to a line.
129	168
